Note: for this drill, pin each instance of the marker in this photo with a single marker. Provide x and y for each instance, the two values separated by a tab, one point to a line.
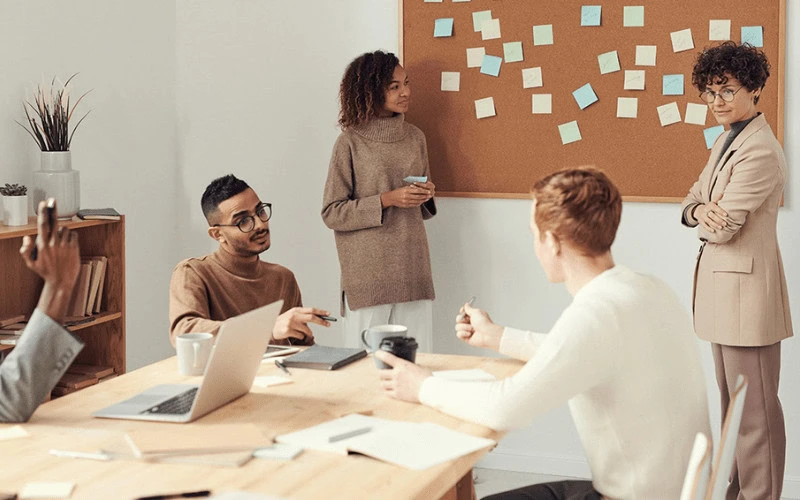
463	315
280	365
80	454
349	434
326	318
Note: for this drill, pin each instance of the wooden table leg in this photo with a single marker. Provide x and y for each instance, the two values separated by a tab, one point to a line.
464	489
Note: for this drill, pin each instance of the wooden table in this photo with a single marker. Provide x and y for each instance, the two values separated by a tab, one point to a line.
314	397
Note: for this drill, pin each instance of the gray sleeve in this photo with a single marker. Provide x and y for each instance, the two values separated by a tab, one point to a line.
42	355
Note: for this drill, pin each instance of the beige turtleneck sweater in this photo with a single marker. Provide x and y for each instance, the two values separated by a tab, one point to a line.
206	291
383	253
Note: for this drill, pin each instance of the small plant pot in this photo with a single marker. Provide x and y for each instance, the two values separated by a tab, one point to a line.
15	210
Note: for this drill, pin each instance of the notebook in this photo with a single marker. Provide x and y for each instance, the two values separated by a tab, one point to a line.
320	357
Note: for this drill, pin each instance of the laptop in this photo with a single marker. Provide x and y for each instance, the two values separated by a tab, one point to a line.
231	369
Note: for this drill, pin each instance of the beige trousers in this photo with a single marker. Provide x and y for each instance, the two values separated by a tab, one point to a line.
761	448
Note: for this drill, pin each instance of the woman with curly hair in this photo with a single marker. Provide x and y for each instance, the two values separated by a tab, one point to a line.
376	214
741	304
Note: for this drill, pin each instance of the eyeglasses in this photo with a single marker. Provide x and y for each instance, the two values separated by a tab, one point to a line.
248	222
727	95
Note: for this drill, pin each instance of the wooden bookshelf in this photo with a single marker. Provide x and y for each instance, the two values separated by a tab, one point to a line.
104	336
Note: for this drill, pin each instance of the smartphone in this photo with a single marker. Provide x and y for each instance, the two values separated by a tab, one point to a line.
50	213
412	179
274	350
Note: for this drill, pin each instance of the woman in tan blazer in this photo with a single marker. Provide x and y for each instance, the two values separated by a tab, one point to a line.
740	300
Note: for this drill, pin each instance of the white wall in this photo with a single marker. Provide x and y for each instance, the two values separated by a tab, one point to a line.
126	149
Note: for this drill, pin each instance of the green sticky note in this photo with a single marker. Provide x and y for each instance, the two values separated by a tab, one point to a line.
608	62
512	51
633	16
569	132
479	17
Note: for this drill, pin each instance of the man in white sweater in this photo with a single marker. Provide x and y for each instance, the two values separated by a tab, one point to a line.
622	355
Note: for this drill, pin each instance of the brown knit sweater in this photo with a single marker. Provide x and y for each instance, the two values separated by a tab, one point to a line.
383	254
205	291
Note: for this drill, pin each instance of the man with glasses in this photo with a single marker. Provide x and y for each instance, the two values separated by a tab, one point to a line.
206	291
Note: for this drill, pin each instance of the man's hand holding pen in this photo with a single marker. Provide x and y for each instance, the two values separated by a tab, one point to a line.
293	324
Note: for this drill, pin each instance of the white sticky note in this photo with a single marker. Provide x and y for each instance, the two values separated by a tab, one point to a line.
633	16
608	62
682	40
645	55
627	107
484	108
542	104
47	490
475	57
531	78
668	114
695	113
490	29
543	34
569	132
460	1
14	432
512	52
634	79
479	17
270	380
433	1
451	81
719	29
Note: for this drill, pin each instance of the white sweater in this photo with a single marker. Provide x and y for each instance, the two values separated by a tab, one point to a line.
625	358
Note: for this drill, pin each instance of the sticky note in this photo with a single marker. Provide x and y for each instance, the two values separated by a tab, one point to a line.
475	57
569	132
695	113
47	490
13	432
585	96
711	135
479	17
645	55
682	40
590	15
433	1
634	79
490	29
543	34
484	108
512	51
672	85
443	27
451	81
608	62
668	114
754	35
633	16
460	1
719	29
491	65
627	107
542	104
531	77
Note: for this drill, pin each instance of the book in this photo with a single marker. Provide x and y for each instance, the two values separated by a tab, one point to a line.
10	321
95	371
100	285
98	269
77	305
320	357
98	214
76	381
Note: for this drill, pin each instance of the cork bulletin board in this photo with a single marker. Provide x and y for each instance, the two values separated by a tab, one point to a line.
502	156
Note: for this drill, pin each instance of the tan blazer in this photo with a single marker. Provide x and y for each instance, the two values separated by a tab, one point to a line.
740	296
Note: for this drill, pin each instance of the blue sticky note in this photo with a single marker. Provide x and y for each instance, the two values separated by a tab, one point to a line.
491	65
754	35
711	135
590	15
443	27
585	96
672	85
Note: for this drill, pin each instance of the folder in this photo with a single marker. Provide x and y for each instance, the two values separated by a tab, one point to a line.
320	357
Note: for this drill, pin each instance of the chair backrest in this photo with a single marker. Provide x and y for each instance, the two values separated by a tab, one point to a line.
723	461
698	472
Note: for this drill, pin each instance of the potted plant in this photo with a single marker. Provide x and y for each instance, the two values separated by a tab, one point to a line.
48	120
15	204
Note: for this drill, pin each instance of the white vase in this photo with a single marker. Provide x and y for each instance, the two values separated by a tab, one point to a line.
15	210
56	179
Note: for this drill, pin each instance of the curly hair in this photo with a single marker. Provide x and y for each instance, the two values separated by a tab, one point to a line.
579	205
361	93
743	62
218	191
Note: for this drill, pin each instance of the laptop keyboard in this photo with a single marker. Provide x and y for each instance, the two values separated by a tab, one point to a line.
176	405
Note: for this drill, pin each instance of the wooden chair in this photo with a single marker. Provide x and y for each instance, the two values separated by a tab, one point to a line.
698	472
723	460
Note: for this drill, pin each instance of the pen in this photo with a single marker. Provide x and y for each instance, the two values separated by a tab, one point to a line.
280	365
349	434
463	315
188	494
326	318
80	454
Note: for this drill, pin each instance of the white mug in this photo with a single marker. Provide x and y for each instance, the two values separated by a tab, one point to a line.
194	350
